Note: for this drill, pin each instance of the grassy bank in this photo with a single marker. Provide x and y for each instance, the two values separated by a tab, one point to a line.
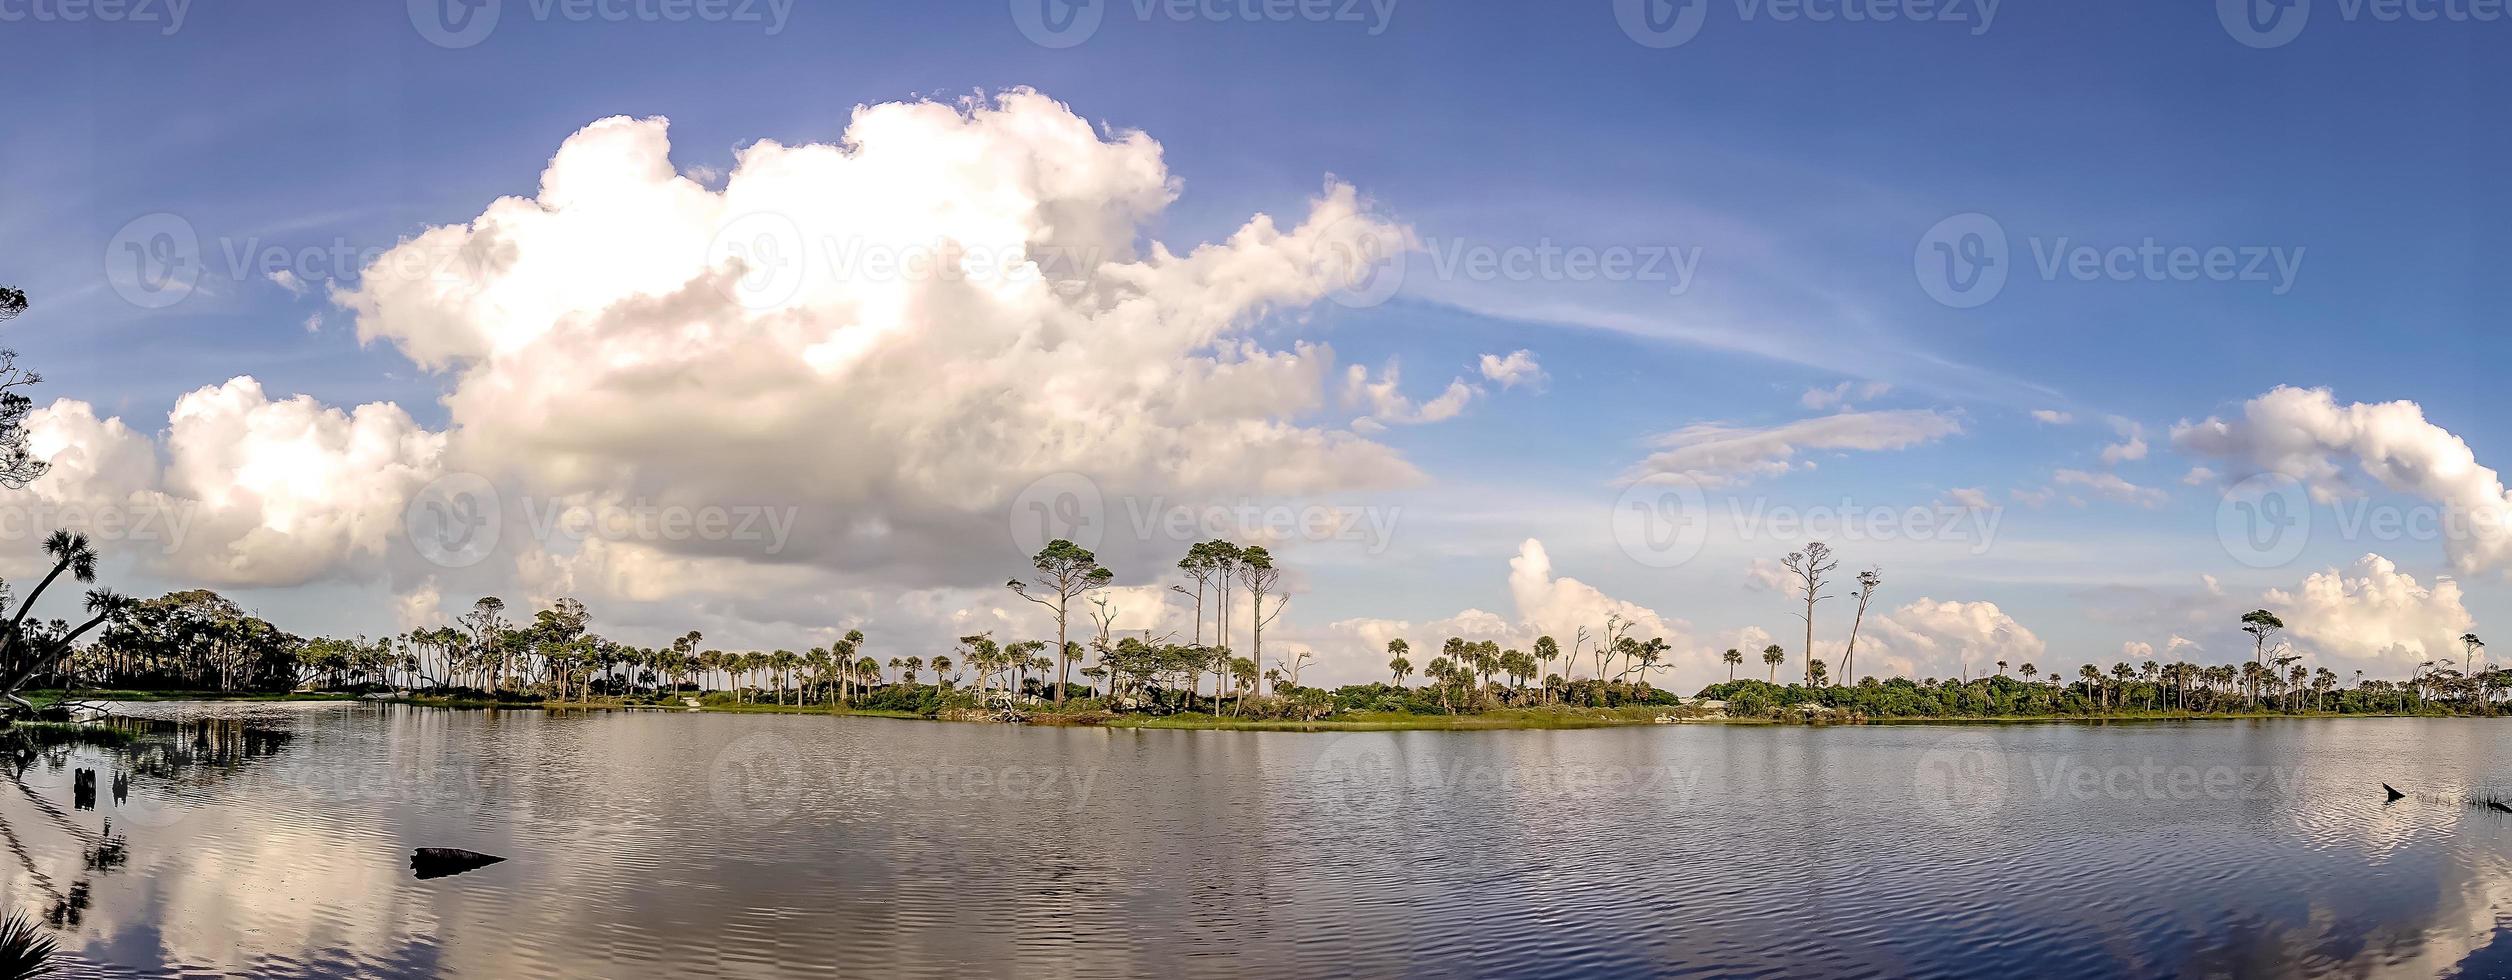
807	709
41	698
1552	717
1388	721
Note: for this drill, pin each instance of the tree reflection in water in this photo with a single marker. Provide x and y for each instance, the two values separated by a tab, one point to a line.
165	750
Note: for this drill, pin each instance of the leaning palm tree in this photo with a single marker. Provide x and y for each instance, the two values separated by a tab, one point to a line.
20	660
70	553
1772	657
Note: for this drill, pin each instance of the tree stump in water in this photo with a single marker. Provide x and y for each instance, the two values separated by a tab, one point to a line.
439	862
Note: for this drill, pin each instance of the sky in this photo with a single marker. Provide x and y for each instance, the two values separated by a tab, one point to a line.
2089	326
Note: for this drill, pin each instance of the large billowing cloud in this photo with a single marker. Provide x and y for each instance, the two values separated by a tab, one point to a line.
1946	638
2377	618
895	333
1547	604
2306	435
250	491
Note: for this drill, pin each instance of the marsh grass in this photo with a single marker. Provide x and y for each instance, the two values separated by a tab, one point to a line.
52	733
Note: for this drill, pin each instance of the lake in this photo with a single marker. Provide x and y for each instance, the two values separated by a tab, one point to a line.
274	840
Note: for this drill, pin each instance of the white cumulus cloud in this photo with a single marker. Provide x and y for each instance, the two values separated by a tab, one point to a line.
896	332
2374	616
2303	433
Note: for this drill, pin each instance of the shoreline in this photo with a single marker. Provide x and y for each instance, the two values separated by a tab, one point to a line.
1507	719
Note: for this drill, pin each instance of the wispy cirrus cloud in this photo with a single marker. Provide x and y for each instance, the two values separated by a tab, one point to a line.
1716	454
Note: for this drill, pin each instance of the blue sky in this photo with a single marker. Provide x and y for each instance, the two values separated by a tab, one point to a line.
1805	161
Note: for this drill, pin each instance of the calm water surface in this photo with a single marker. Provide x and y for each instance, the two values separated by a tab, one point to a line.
273	840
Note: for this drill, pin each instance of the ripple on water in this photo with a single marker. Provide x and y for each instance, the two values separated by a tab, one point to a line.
746	846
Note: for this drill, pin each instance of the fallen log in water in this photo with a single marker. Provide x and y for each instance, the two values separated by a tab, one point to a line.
439	862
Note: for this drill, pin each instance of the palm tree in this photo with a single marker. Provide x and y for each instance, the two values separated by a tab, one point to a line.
19	662
1772	657
1396	664
2093	681
1733	658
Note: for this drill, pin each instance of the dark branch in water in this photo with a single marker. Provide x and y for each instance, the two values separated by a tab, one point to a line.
440	862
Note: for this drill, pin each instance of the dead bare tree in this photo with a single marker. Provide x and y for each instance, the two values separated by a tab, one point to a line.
1867	582
1810	566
